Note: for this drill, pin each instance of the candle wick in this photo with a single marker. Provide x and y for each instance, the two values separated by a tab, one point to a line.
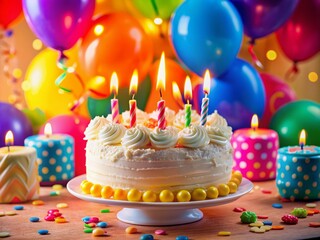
114	96
188	102
8	147
160	94
205	94
302	145
133	96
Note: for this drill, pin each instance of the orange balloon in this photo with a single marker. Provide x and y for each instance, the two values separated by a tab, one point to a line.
108	6
174	73
116	42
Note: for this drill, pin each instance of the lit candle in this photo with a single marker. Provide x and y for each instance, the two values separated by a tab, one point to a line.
177	94
298	171
18	172
255	151
205	100
188	97
55	153
114	102
161	85
132	102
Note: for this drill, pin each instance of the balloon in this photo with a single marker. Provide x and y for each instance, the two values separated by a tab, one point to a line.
14	120
206	35
75	126
10	10
40	89
299	37
262	17
156	8
236	95
174	73
116	42
278	93
102	107
36	117
59	23
290	119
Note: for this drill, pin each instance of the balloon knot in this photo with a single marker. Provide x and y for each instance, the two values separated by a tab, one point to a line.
293	71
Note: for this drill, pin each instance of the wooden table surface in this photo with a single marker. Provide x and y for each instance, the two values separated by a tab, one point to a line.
218	218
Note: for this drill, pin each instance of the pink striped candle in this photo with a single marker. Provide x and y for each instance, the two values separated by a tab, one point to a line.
132	103
161	114
114	102
161	85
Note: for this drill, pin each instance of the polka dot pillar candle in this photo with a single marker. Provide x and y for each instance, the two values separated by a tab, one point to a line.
298	171
255	152
55	156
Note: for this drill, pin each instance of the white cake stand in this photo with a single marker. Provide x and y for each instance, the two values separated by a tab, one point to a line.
159	213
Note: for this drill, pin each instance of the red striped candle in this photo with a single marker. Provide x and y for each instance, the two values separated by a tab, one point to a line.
115	110
161	85
133	116
161	114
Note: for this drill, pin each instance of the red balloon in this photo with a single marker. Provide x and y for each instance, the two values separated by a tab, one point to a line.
9	11
278	93
299	37
75	126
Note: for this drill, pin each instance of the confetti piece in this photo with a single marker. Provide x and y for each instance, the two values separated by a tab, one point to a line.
104	210
277	227
266	191
37	202
239	209
277	205
262	217
224	233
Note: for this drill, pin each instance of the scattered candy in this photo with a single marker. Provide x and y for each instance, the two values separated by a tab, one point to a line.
93	220
62	205
289	219
37	202
43	231
105	211
49	218
315	211
267	223
266	227
310	212
90	225
57	187
88	230
2	214
18	207
285	200
248	217
239	209
85	219
311	205
277	205
146	237
277	227
299	212
256	224
34	219
223	233
52	211
10	213
266	191
54	193
60	220
98	232
257	230
102	224
160	232
262	216
131	230
314	224
182	238
4	234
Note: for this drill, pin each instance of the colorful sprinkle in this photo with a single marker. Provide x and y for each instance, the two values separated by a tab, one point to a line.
248	217
11	213
262	217
289	219
49	218
277	227
105	211
182	238
62	205
54	193
267	223
85	219
299	212
224	233
93	220
37	202
311	205
277	205
239	209
34	219
314	224
18	207
146	237
266	191
102	224
88	230
160	232
90	225
4	234
43	231
131	230
98	232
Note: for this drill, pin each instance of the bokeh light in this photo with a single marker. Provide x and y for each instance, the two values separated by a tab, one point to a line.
313	76
37	44
271	55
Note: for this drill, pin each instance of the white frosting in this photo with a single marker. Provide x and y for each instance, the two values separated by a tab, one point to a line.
169	115
111	133
137	137
180	119
142	117
165	138
94	127
194	136
218	129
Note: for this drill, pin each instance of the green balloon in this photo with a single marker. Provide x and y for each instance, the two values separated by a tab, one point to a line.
156	8
290	119
37	117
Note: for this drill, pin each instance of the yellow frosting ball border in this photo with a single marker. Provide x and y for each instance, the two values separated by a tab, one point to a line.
135	195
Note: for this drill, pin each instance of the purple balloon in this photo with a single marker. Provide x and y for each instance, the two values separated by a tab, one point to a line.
59	23
262	17
14	120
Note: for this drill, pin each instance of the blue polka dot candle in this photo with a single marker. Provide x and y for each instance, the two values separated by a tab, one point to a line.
298	171
55	156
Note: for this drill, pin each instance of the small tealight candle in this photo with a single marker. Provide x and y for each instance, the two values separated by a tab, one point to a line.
255	152
188	97
133	102
298	171
114	102
18	172
161	85
205	100
55	153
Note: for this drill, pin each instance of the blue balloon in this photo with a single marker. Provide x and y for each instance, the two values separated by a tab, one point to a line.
206	34
236	95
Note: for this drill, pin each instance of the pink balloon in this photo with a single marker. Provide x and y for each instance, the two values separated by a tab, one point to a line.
278	93
75	126
299	37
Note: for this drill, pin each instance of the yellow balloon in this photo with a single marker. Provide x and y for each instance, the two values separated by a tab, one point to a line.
42	92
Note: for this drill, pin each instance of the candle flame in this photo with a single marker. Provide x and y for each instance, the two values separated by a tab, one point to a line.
302	138
188	89
114	83
206	84
161	78
9	138
48	130
177	94
134	83
254	122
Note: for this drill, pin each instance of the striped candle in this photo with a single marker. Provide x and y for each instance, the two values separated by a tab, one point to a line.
133	116
205	100
188	97
187	108
115	110
161	114
114	102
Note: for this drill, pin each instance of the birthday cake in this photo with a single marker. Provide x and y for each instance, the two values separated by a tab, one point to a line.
148	159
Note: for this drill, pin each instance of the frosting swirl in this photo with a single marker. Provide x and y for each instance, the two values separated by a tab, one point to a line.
137	137
180	119
193	137
216	135
216	119
165	138
111	133
220	126
142	117
94	127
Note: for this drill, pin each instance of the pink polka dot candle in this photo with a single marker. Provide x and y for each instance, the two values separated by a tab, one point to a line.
255	152
55	156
